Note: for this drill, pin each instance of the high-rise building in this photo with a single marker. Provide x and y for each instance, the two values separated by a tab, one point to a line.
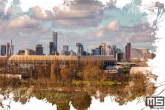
65	47
114	51
21	52
51	45
39	49
65	50
103	49
54	41
92	52
119	56
7	49
11	48
80	50
108	50
95	52
124	51
128	54
3	50
100	49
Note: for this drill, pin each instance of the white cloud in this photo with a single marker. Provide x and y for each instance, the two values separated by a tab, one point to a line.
114	25
23	22
99	34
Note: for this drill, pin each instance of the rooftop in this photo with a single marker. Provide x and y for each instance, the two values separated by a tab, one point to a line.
3	58
53	57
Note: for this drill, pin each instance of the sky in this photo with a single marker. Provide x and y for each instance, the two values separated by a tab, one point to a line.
89	22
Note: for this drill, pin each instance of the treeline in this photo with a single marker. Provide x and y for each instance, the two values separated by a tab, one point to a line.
86	71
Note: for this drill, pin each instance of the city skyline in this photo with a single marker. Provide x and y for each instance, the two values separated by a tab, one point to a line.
89	22
38	49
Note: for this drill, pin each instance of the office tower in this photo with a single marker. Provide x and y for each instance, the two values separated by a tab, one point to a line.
39	49
103	49
21	52
11	50
92	52
119	56
3	50
7	49
113	51
65	50
80	50
51	48
54	41
125	52
108	50
95	52
100	49
128	52
72	53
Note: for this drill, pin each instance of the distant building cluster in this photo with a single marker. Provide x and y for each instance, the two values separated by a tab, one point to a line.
126	54
38	50
7	50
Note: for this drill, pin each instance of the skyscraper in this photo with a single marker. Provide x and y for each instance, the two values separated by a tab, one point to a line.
7	49
113	52
39	49
54	41
11	51
80	50
125	52
108	50
3	50
128	54
103	49
51	45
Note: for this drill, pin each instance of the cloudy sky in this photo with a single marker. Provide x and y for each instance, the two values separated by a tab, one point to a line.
90	22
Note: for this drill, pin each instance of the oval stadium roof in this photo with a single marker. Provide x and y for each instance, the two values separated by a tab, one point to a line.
3	58
53	57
